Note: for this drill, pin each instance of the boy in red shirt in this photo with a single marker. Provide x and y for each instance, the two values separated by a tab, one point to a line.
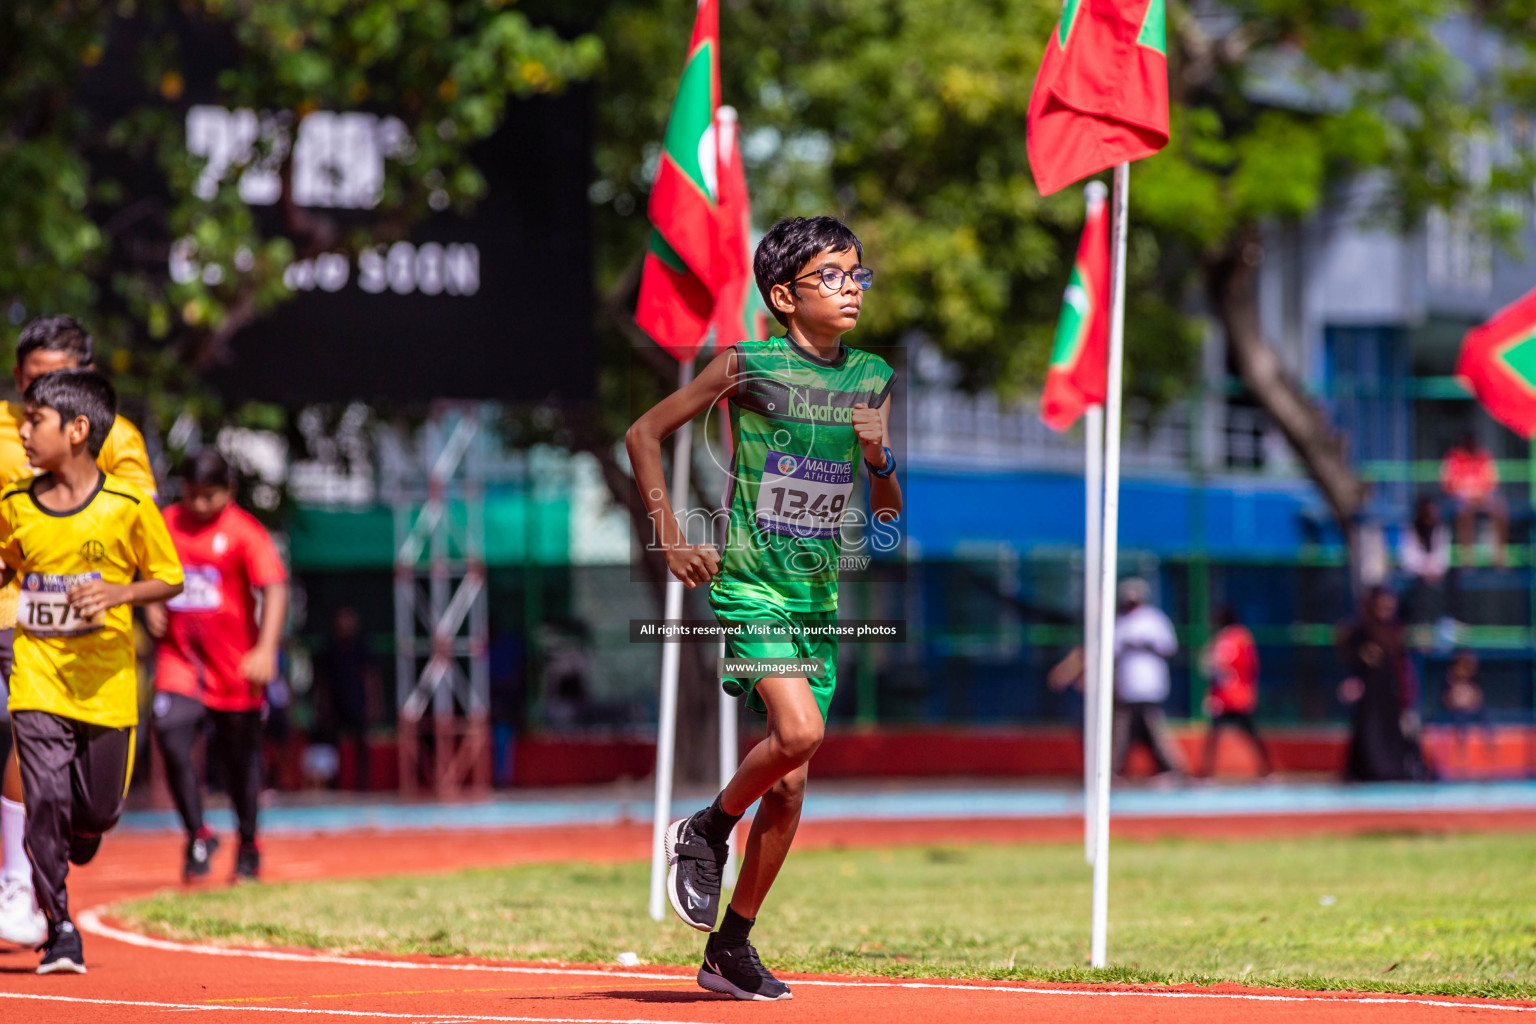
217	654
1232	661
1470	476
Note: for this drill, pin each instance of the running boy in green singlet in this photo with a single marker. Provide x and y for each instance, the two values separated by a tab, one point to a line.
804	411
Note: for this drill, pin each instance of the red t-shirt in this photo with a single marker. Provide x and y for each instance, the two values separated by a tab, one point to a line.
213	621
1235	666
1469	475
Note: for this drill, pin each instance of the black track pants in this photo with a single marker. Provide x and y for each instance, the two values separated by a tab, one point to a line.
236	743
75	776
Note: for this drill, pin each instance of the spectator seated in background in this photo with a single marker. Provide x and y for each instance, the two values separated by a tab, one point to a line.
1424	553
1469	475
1463	700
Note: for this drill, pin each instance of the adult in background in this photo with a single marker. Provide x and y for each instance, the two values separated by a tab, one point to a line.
1377	661
1424	552
1144	641
218	652
1232	662
347	670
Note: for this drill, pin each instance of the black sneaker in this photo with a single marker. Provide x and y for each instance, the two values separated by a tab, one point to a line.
82	848
199	857
63	952
247	862
739	973
693	878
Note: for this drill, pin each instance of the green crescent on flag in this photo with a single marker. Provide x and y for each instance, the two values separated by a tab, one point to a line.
1498	364
1078	371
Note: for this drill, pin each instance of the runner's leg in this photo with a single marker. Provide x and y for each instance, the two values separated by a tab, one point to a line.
99	778
773	831
795	729
177	731
1211	739
238	734
1161	741
46	744
1247	724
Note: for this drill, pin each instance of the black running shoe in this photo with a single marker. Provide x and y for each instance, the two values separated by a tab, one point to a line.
739	973
693	878
199	857
82	849
247	862
63	952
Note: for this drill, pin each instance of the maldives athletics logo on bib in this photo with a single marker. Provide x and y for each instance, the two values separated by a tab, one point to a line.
787	465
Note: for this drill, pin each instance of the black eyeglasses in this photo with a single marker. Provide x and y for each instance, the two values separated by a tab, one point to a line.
832	277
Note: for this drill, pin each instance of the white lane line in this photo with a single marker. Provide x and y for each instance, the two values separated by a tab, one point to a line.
369	1014
90	921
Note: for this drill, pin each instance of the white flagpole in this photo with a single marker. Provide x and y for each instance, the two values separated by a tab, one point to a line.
730	757
1105	666
671	651
1093	555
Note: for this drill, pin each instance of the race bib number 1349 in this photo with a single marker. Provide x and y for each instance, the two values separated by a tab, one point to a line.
43	608
802	496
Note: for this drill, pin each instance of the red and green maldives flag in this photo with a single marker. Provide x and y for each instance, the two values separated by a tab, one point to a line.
682	272
1498	365
1101	97
1077	375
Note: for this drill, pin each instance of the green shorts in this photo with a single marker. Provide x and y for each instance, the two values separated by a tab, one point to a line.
734	611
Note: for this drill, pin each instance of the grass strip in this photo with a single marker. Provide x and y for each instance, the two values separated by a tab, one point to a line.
1450	915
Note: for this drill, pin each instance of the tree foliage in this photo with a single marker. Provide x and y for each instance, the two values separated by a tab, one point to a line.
907	118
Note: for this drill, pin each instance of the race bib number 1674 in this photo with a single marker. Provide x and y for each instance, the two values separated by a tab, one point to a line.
43	607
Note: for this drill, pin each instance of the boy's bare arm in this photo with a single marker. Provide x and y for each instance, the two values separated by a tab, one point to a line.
691	563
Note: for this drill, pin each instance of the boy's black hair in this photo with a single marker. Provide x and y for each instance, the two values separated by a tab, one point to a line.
206	469
790	243
79	392
62	333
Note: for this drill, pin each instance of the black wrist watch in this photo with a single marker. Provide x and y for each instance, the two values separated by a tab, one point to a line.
890	465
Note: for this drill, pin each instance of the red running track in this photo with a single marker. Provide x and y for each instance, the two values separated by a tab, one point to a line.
134	978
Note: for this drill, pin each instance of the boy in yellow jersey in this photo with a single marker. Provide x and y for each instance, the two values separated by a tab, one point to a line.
75	538
46	343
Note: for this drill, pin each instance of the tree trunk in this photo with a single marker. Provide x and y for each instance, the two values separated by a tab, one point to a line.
1232	280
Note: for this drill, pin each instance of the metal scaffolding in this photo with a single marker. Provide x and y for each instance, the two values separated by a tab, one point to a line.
442	619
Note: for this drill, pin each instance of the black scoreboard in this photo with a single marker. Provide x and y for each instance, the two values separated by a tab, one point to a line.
495	305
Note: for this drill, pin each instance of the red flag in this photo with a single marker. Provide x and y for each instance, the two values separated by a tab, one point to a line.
1498	365
686	190
1078	374
698	268
674	306
733	259
1101	96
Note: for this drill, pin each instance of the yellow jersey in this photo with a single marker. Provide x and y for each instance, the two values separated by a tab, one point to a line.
77	669
123	455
